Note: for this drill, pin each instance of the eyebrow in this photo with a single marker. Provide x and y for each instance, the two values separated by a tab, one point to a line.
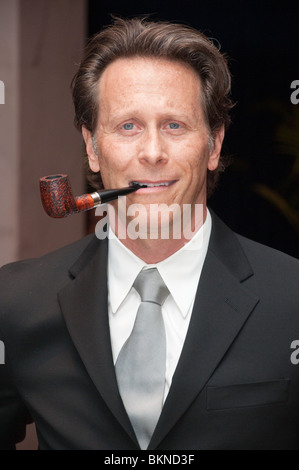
135	114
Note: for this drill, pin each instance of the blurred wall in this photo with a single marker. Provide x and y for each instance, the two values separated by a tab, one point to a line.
9	130
41	42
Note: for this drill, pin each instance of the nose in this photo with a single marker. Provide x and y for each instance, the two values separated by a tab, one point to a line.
152	150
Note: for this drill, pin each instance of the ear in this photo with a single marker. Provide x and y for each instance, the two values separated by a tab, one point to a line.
93	159
216	150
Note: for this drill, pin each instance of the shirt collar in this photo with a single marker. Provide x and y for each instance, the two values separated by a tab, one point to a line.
123	268
180	271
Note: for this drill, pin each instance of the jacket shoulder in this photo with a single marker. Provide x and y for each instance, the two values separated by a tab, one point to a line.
266	269
276	273
50	268
258	252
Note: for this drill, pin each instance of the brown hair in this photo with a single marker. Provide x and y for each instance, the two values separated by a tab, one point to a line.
143	38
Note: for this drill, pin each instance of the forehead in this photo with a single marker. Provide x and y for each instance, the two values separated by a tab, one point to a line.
148	77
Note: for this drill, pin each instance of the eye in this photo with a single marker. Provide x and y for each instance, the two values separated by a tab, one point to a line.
175	128
128	126
174	125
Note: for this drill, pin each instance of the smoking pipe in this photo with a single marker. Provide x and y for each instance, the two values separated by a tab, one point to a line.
58	200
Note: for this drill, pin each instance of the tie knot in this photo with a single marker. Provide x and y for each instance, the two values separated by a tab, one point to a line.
150	286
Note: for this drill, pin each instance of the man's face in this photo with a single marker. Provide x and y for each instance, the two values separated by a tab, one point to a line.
151	130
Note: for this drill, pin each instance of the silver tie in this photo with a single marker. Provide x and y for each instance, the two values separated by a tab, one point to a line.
140	366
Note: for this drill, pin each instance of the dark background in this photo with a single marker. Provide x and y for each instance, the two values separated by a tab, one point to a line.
258	196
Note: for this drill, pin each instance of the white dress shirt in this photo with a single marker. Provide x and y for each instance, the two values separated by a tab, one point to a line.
180	272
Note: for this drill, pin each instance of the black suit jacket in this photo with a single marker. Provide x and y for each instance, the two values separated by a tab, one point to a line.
235	386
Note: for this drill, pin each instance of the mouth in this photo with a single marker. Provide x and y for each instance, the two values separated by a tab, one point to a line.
152	184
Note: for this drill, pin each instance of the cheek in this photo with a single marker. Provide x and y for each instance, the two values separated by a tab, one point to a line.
195	160
113	160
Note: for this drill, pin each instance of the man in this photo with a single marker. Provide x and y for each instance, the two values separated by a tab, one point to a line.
152	101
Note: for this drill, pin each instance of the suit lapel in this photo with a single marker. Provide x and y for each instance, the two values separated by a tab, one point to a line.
84	304
221	308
